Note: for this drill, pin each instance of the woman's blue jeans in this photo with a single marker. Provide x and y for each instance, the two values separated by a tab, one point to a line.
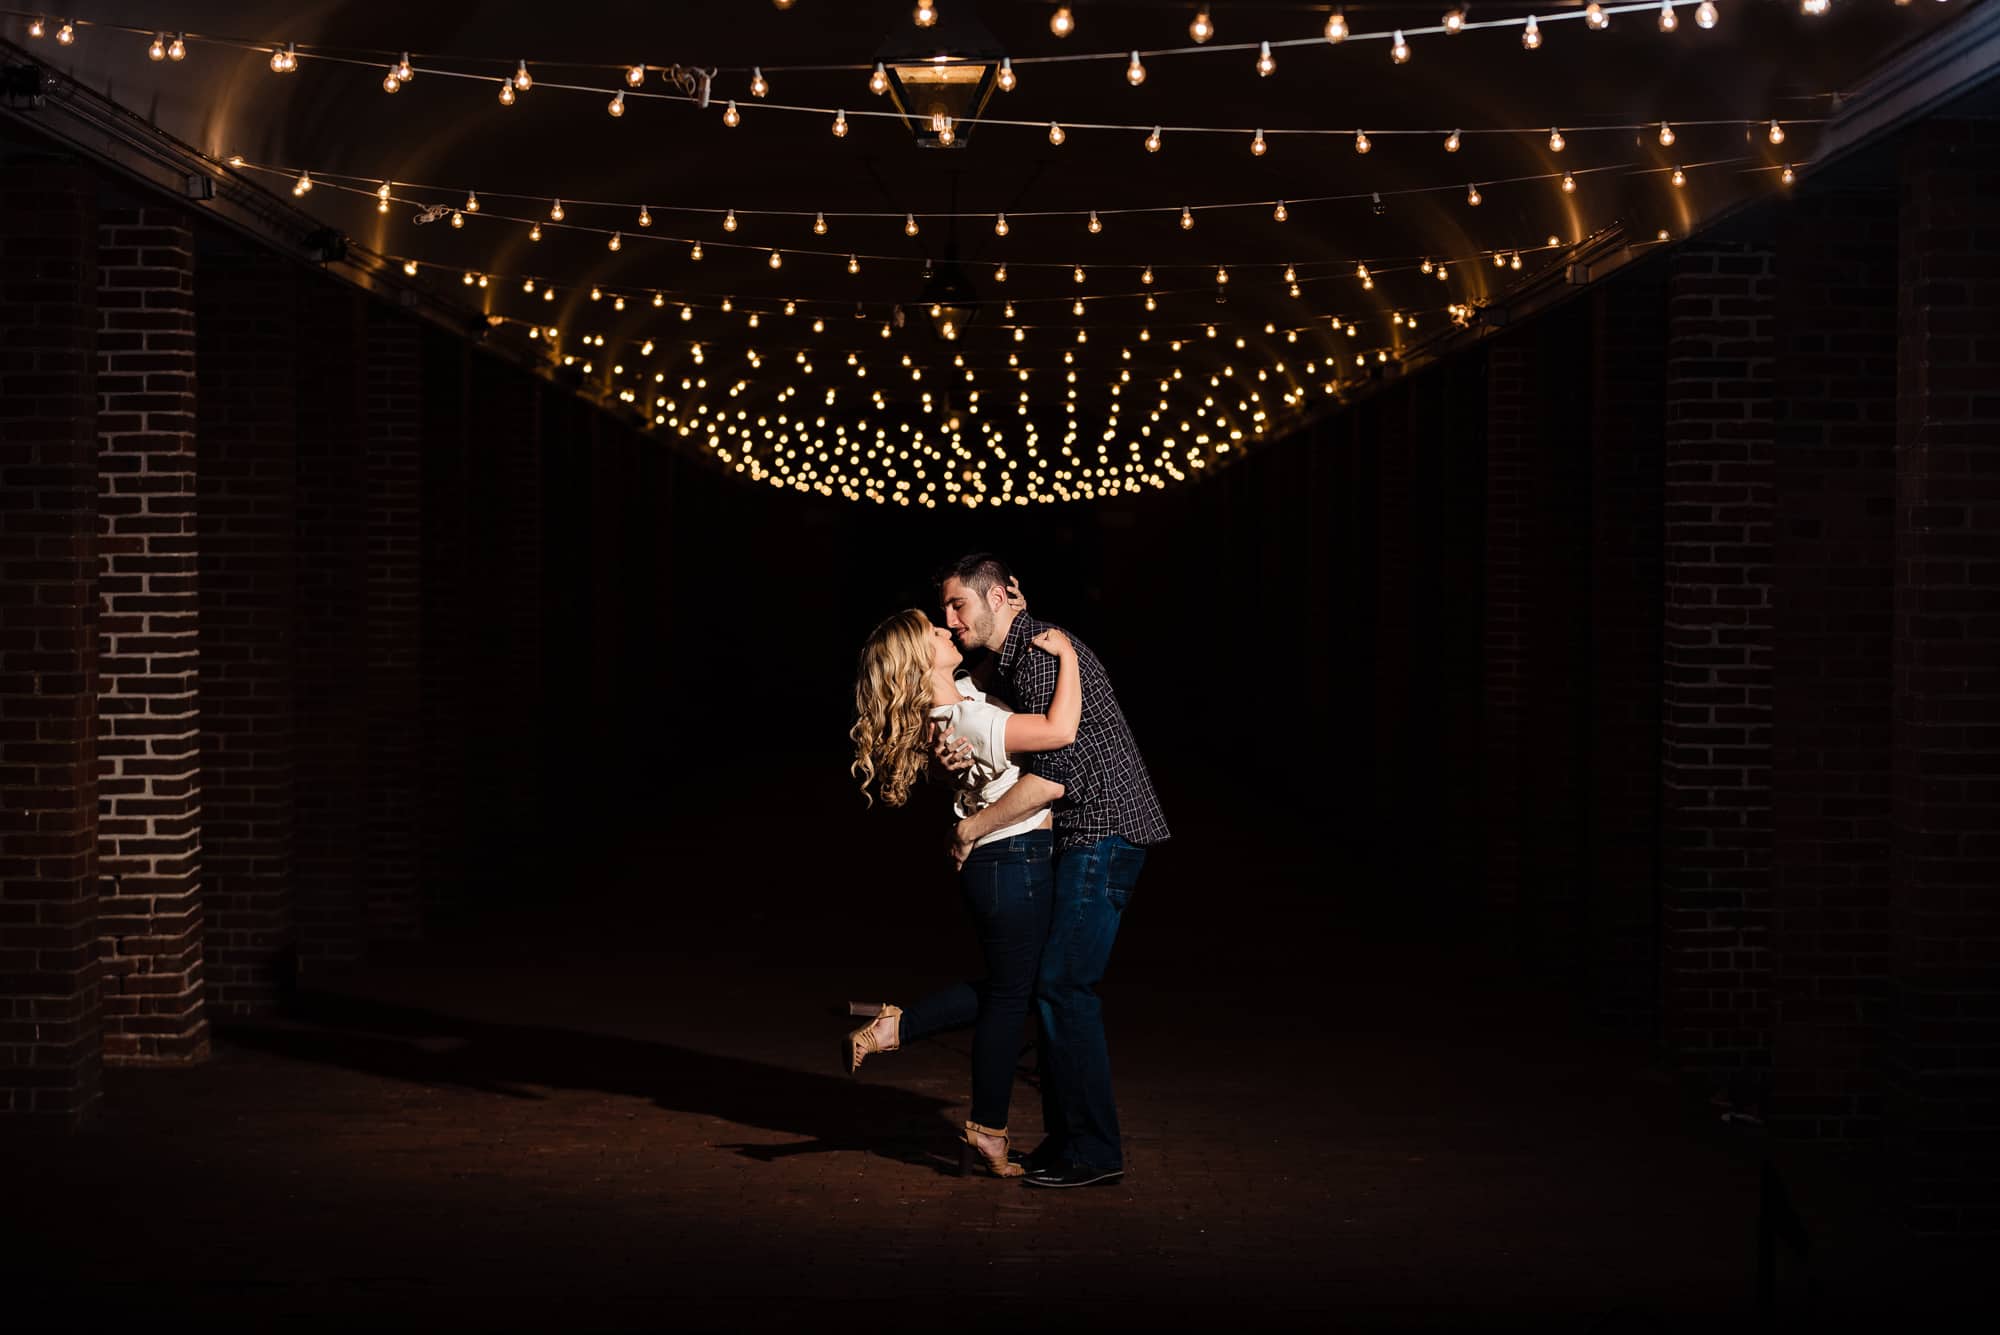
1009	888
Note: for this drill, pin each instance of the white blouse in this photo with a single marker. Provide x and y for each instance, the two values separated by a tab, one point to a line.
983	722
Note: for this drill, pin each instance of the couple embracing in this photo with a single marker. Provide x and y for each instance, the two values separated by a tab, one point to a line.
1055	813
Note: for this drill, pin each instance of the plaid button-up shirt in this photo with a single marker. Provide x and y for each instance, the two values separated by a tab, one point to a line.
1106	789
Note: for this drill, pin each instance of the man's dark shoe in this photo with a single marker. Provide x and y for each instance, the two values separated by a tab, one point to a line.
1073	1175
1037	1159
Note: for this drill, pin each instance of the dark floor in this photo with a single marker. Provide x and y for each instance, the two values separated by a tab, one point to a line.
622	1109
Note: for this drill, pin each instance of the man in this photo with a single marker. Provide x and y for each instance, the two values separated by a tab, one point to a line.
1106	817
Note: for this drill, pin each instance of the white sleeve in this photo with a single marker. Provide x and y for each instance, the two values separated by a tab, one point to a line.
996	737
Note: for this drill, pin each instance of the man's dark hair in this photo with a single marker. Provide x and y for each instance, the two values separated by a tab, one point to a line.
979	572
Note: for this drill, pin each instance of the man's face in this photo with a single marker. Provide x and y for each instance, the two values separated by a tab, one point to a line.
968	616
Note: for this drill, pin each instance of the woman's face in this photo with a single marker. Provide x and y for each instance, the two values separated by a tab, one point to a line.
944	651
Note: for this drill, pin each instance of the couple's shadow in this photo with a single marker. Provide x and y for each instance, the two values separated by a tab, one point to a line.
833	1112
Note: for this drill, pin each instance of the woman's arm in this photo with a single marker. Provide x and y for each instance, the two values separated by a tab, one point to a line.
1057	728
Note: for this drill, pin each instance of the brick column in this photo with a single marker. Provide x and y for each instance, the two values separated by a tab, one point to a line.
332	568
1509	430
148	743
1622	760
394	625
1944	1076
1716	737
1832	603
245	422
50	1014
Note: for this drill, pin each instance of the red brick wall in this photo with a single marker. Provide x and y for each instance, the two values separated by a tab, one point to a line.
50	1012
245	419
1944	1063
393	640
1716	735
1832	602
148	715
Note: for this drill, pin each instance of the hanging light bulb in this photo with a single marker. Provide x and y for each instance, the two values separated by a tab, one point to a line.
1361	144
37	27
1788	175
853	264
1257	144
1595	18
1006	78
1472	195
1568	184
471	202
1000	274
1062	23
282	62
1280	213
1187	219
1426	266
1777	134
1399	50
506	93
522	79
695	252
177	49
645	216
1076	274
1267	64
556	211
1221	274
1679	177
534	231
1151	303
158	50
1668	19
382	192
1146	276
819	224
410	268
758	86
1556	141
840	125
1336	27
909	224
616	242
878	82
777	261
1094	225
731	116
1515	261
1813	7
1203	26
926	14
616	106
1441	275
457	219
390	83
1056	135
1135	73
729	221
1153	140
1666	135
947	133
1531	36
1705	15
1454	21
635	75
304	184
1000	225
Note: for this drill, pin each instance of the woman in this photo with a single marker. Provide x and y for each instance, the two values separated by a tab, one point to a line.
904	689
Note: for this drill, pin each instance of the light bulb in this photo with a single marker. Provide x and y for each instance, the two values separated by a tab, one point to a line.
471	202
1454	21
1280	213
1787	176
616	242
729	221
645	216
282	62
522	79
1257	144
1056	135
1153	140
1399	50
1595	18
635	75
390	83
67	34
695	252
1679	177
1187	219
1426	266
410	268
819	224
947	133
840	125
616	106
1006	78
1361	144
853	264
1813	7
1441	275
1515	262
534	232
1135	73
1666	135
1000	274
758	87
506	93
1472	195
1668	19
177	50
1705	15
1094	225
457	218
1221	275
382	192
1062	23
926	14
556	211
1451	142
1151	304
731	116
1531	36
1077	274
1569	184
1203	26
1146	276
36	27
909	224
158	50
777	261
878	82
1556	141
1267	64
1336	27
1076	307
1777	135
303	185
1000	225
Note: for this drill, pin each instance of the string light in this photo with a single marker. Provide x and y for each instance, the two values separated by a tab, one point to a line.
1146	275
1135	73
1006	78
1454	21
1062	23
731	116
1788	176
1361	144
158	50
1336	27
1202	28
694	253
1680	177
1153	140
1472	196
616	106
471	202
410	268
616	242
282	62
1280	213
777	261
853	264
729	221
1777	135
758	86
457	219
1531	36
390	83
878	82
556	211
926	14
1267	64
1000	274
36	27
1076	275
819	224
177	50
840	124
1666	135
522	79
1595	18
1399	50
1668	19
1257	144
1556	141
1187	219
635	75
1000	227
506	93
1056	135
534	232
1568	184
909	224
1094	225
1705	15
303	185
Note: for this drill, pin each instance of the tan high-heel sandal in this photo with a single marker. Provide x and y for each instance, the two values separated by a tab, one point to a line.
995	1160
858	1044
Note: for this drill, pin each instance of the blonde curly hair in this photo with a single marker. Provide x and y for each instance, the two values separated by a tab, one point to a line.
892	707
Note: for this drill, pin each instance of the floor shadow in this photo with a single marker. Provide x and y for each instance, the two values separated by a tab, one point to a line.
515	1061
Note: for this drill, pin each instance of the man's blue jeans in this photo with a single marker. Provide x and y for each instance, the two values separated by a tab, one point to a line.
1093	884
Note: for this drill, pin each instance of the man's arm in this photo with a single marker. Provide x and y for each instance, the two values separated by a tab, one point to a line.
1030	794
